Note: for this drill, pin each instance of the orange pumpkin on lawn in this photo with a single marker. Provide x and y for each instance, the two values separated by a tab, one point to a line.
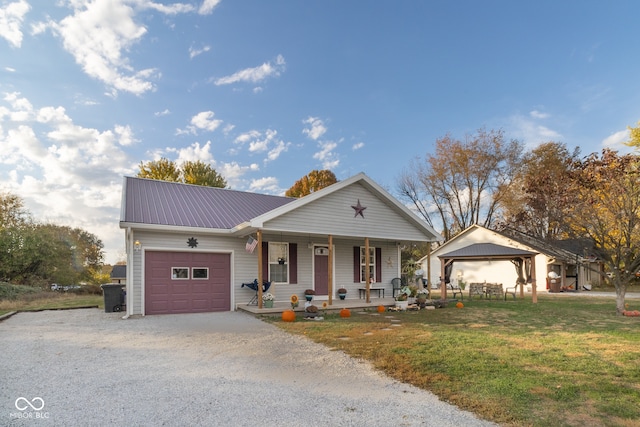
345	312
288	316
459	304
381	309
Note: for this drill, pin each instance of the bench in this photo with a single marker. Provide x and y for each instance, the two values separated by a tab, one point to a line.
362	292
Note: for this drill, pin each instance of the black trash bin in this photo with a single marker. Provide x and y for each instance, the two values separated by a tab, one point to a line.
114	297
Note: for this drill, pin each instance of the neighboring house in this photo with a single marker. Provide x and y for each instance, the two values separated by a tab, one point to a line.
119	274
190	248
488	259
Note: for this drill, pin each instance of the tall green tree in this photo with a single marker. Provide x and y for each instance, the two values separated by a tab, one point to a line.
40	254
464	182
608	212
537	199
312	182
190	172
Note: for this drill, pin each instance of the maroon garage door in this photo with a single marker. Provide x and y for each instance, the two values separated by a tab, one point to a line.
186	282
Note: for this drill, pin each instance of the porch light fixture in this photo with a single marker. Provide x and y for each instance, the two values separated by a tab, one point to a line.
137	246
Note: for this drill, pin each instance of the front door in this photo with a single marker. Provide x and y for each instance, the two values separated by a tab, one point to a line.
321	270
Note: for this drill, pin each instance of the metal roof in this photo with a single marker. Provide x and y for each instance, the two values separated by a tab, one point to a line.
486	250
147	201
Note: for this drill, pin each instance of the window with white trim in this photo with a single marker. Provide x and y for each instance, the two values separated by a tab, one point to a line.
180	273
200	273
278	262
363	264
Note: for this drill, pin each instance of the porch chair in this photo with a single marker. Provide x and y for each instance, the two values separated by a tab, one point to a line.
397	284
254	286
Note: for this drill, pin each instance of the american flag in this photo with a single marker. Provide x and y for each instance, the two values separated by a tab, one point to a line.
251	244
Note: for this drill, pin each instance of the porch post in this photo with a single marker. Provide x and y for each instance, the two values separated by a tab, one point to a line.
330	267
443	284
259	232
429	266
367	275
534	292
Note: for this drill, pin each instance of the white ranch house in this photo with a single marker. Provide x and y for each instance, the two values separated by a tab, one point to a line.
189	247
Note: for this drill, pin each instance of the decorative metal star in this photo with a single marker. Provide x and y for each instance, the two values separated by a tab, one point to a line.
192	242
359	209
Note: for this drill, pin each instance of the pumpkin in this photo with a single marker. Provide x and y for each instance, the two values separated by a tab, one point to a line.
459	304
288	316
381	309
345	312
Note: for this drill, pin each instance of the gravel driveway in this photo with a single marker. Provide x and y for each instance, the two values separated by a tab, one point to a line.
88	367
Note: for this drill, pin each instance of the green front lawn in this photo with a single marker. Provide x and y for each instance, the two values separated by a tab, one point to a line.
566	361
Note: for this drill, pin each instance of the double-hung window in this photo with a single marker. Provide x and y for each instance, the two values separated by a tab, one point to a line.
363	264
278	262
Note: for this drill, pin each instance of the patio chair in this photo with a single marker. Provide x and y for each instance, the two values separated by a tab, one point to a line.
397	284
455	290
254	286
511	290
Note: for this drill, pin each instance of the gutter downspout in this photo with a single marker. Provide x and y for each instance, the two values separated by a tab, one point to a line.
129	277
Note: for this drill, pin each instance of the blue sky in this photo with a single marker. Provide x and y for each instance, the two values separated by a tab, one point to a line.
267	91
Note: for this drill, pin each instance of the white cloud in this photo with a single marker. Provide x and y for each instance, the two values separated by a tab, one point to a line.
194	153
530	131
201	121
193	52
207	6
165	112
112	23
265	185
260	143
538	114
64	172
10	69
256	74
171	9
247	136
11	17
315	129
617	139
357	146
326	155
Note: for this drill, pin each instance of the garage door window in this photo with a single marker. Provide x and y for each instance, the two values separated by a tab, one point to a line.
180	273
199	273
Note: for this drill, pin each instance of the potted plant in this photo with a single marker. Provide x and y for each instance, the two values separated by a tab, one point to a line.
402	298
281	260
267	300
309	293
342	293
310	311
462	284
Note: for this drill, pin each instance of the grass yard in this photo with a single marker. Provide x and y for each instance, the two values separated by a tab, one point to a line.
566	361
25	298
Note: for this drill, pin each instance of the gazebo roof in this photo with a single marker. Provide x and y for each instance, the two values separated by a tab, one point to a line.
485	251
